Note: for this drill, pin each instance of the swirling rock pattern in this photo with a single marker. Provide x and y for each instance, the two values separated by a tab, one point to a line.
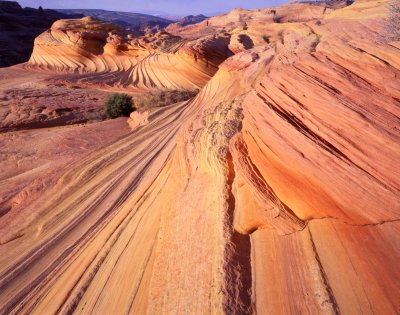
152	61
275	190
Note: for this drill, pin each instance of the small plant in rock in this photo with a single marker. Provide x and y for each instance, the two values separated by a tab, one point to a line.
119	105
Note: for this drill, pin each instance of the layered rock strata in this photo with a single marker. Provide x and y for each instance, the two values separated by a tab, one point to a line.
118	59
275	191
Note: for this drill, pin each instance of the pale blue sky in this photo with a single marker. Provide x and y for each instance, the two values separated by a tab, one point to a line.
177	7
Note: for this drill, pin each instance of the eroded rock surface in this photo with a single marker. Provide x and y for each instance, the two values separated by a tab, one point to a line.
109	56
275	190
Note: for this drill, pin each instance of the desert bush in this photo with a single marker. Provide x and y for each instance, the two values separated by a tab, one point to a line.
392	23
163	98
119	105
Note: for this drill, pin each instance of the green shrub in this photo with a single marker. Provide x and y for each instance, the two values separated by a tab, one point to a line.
163	98
119	105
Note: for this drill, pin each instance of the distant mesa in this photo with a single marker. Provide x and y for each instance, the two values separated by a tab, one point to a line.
192	19
10	7
137	23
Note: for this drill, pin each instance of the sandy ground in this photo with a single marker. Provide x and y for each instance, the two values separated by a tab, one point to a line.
30	99
42	129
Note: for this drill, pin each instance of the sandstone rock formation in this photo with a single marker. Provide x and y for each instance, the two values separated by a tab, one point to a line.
187	20
274	191
152	61
240	19
137	119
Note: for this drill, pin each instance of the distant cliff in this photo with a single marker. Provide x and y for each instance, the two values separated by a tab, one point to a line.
18	29
137	23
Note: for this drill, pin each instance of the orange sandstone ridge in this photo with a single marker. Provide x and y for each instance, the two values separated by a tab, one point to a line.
153	61
274	191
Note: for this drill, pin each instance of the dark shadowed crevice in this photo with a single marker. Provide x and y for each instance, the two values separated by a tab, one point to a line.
238	277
